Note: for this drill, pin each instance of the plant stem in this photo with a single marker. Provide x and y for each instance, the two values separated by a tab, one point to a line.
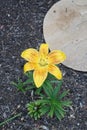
9	119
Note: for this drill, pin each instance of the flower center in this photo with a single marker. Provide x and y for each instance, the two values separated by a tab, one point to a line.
43	62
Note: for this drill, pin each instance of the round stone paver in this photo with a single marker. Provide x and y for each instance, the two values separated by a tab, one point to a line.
65	28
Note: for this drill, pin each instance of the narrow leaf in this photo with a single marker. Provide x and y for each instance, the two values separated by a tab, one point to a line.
56	90
28	81
48	89
58	115
43	101
60	109
66	103
63	94
51	113
44	109
10	119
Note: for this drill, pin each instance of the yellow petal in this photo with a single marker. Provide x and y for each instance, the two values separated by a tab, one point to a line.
44	49
39	76
56	57
30	55
29	66
54	70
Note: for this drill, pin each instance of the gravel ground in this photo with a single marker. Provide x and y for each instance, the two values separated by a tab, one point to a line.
21	23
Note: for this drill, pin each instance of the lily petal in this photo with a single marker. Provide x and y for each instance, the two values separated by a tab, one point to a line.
39	76
54	70
29	66
43	49
56	57
30	55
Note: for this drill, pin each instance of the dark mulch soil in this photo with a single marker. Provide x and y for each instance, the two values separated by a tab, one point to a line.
21	24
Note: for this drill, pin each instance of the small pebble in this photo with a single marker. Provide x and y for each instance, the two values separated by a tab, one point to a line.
72	116
13	57
13	123
81	105
78	124
2	26
22	118
11	127
19	106
10	89
64	73
8	15
44	127
4	115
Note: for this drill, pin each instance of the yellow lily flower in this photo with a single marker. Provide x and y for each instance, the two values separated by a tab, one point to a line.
43	62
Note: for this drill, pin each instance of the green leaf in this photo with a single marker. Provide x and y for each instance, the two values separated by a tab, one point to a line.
28	81
63	94
62	113
48	89
44	109
10	119
56	90
51	112
43	101
19	85
15	84
49	85
29	75
29	88
59	82
49	77
58	115
60	109
66	103
38	91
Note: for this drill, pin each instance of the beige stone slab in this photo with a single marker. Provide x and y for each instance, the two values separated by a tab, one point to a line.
65	28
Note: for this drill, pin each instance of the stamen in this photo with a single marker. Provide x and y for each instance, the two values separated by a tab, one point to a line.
43	62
